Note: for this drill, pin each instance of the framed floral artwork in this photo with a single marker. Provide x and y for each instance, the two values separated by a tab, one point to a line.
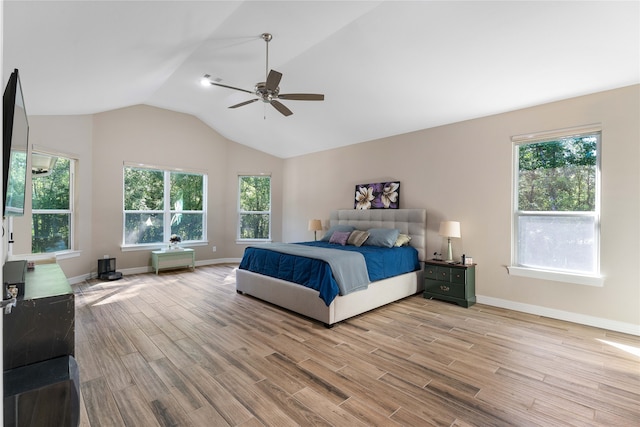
381	195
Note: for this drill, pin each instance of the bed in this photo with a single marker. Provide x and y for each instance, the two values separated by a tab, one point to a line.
307	301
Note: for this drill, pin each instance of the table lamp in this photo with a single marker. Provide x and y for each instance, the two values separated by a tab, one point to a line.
315	225
449	229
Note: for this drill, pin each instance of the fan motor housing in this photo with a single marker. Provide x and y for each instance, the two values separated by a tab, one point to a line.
265	94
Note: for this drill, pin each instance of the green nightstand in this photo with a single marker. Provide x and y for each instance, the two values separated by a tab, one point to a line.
450	282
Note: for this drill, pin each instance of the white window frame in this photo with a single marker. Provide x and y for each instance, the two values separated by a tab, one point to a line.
594	279
241	212
73	161
167	210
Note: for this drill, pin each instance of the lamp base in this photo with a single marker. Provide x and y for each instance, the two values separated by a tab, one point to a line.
449	251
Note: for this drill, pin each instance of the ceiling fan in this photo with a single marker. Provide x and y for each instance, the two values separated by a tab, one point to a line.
269	91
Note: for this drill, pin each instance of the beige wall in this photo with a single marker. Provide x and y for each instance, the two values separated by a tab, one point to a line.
103	142
457	172
245	160
463	172
160	137
71	136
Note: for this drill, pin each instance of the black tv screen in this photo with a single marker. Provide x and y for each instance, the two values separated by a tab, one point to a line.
15	147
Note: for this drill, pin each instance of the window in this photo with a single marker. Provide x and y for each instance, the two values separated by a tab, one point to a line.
254	207
159	203
51	202
556	203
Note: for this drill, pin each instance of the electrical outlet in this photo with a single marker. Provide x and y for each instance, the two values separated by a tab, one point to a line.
214	248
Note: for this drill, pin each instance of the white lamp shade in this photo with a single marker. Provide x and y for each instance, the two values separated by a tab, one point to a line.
315	225
449	229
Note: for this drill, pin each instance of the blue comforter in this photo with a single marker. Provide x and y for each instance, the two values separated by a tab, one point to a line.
381	263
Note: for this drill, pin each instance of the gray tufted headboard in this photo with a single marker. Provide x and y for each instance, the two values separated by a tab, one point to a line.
409	221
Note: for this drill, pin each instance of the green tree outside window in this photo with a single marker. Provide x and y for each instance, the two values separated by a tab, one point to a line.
52	207
556	212
254	207
159	203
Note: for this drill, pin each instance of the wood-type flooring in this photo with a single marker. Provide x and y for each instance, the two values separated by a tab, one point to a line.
184	349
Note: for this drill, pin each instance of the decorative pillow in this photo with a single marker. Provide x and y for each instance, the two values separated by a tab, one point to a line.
340	237
357	238
403	240
385	237
330	231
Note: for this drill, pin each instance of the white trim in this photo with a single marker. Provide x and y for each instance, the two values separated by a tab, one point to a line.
166	212
218	261
558	133
158	246
582	319
141	270
597	322
137	165
254	174
51	152
240	212
67	254
557	276
47	255
585	279
73	165
252	241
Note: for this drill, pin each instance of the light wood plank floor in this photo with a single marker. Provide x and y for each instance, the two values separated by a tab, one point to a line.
183	349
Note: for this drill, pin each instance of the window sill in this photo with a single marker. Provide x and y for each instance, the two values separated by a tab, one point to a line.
158	246
252	241
46	256
67	254
579	279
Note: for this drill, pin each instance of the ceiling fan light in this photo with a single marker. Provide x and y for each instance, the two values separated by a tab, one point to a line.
204	81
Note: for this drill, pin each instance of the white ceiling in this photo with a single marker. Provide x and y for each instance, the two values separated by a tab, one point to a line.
385	67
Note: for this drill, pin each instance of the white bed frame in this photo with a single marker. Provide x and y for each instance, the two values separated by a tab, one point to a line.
307	302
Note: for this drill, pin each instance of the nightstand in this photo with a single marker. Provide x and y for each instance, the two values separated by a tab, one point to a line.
450	282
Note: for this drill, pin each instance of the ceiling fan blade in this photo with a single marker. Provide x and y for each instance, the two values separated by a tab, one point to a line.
244	103
302	96
273	80
280	107
231	87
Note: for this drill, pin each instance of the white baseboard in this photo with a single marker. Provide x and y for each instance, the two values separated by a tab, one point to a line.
583	319
139	270
219	261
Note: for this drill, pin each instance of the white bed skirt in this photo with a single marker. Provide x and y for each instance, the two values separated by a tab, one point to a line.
306	301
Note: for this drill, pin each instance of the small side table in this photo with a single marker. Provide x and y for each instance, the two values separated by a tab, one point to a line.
173	258
450	282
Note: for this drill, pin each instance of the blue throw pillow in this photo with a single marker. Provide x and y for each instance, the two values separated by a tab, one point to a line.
327	235
384	237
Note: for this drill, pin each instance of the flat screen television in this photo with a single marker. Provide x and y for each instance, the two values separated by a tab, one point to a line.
15	147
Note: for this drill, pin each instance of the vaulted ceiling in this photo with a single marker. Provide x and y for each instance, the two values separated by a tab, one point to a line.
385	67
